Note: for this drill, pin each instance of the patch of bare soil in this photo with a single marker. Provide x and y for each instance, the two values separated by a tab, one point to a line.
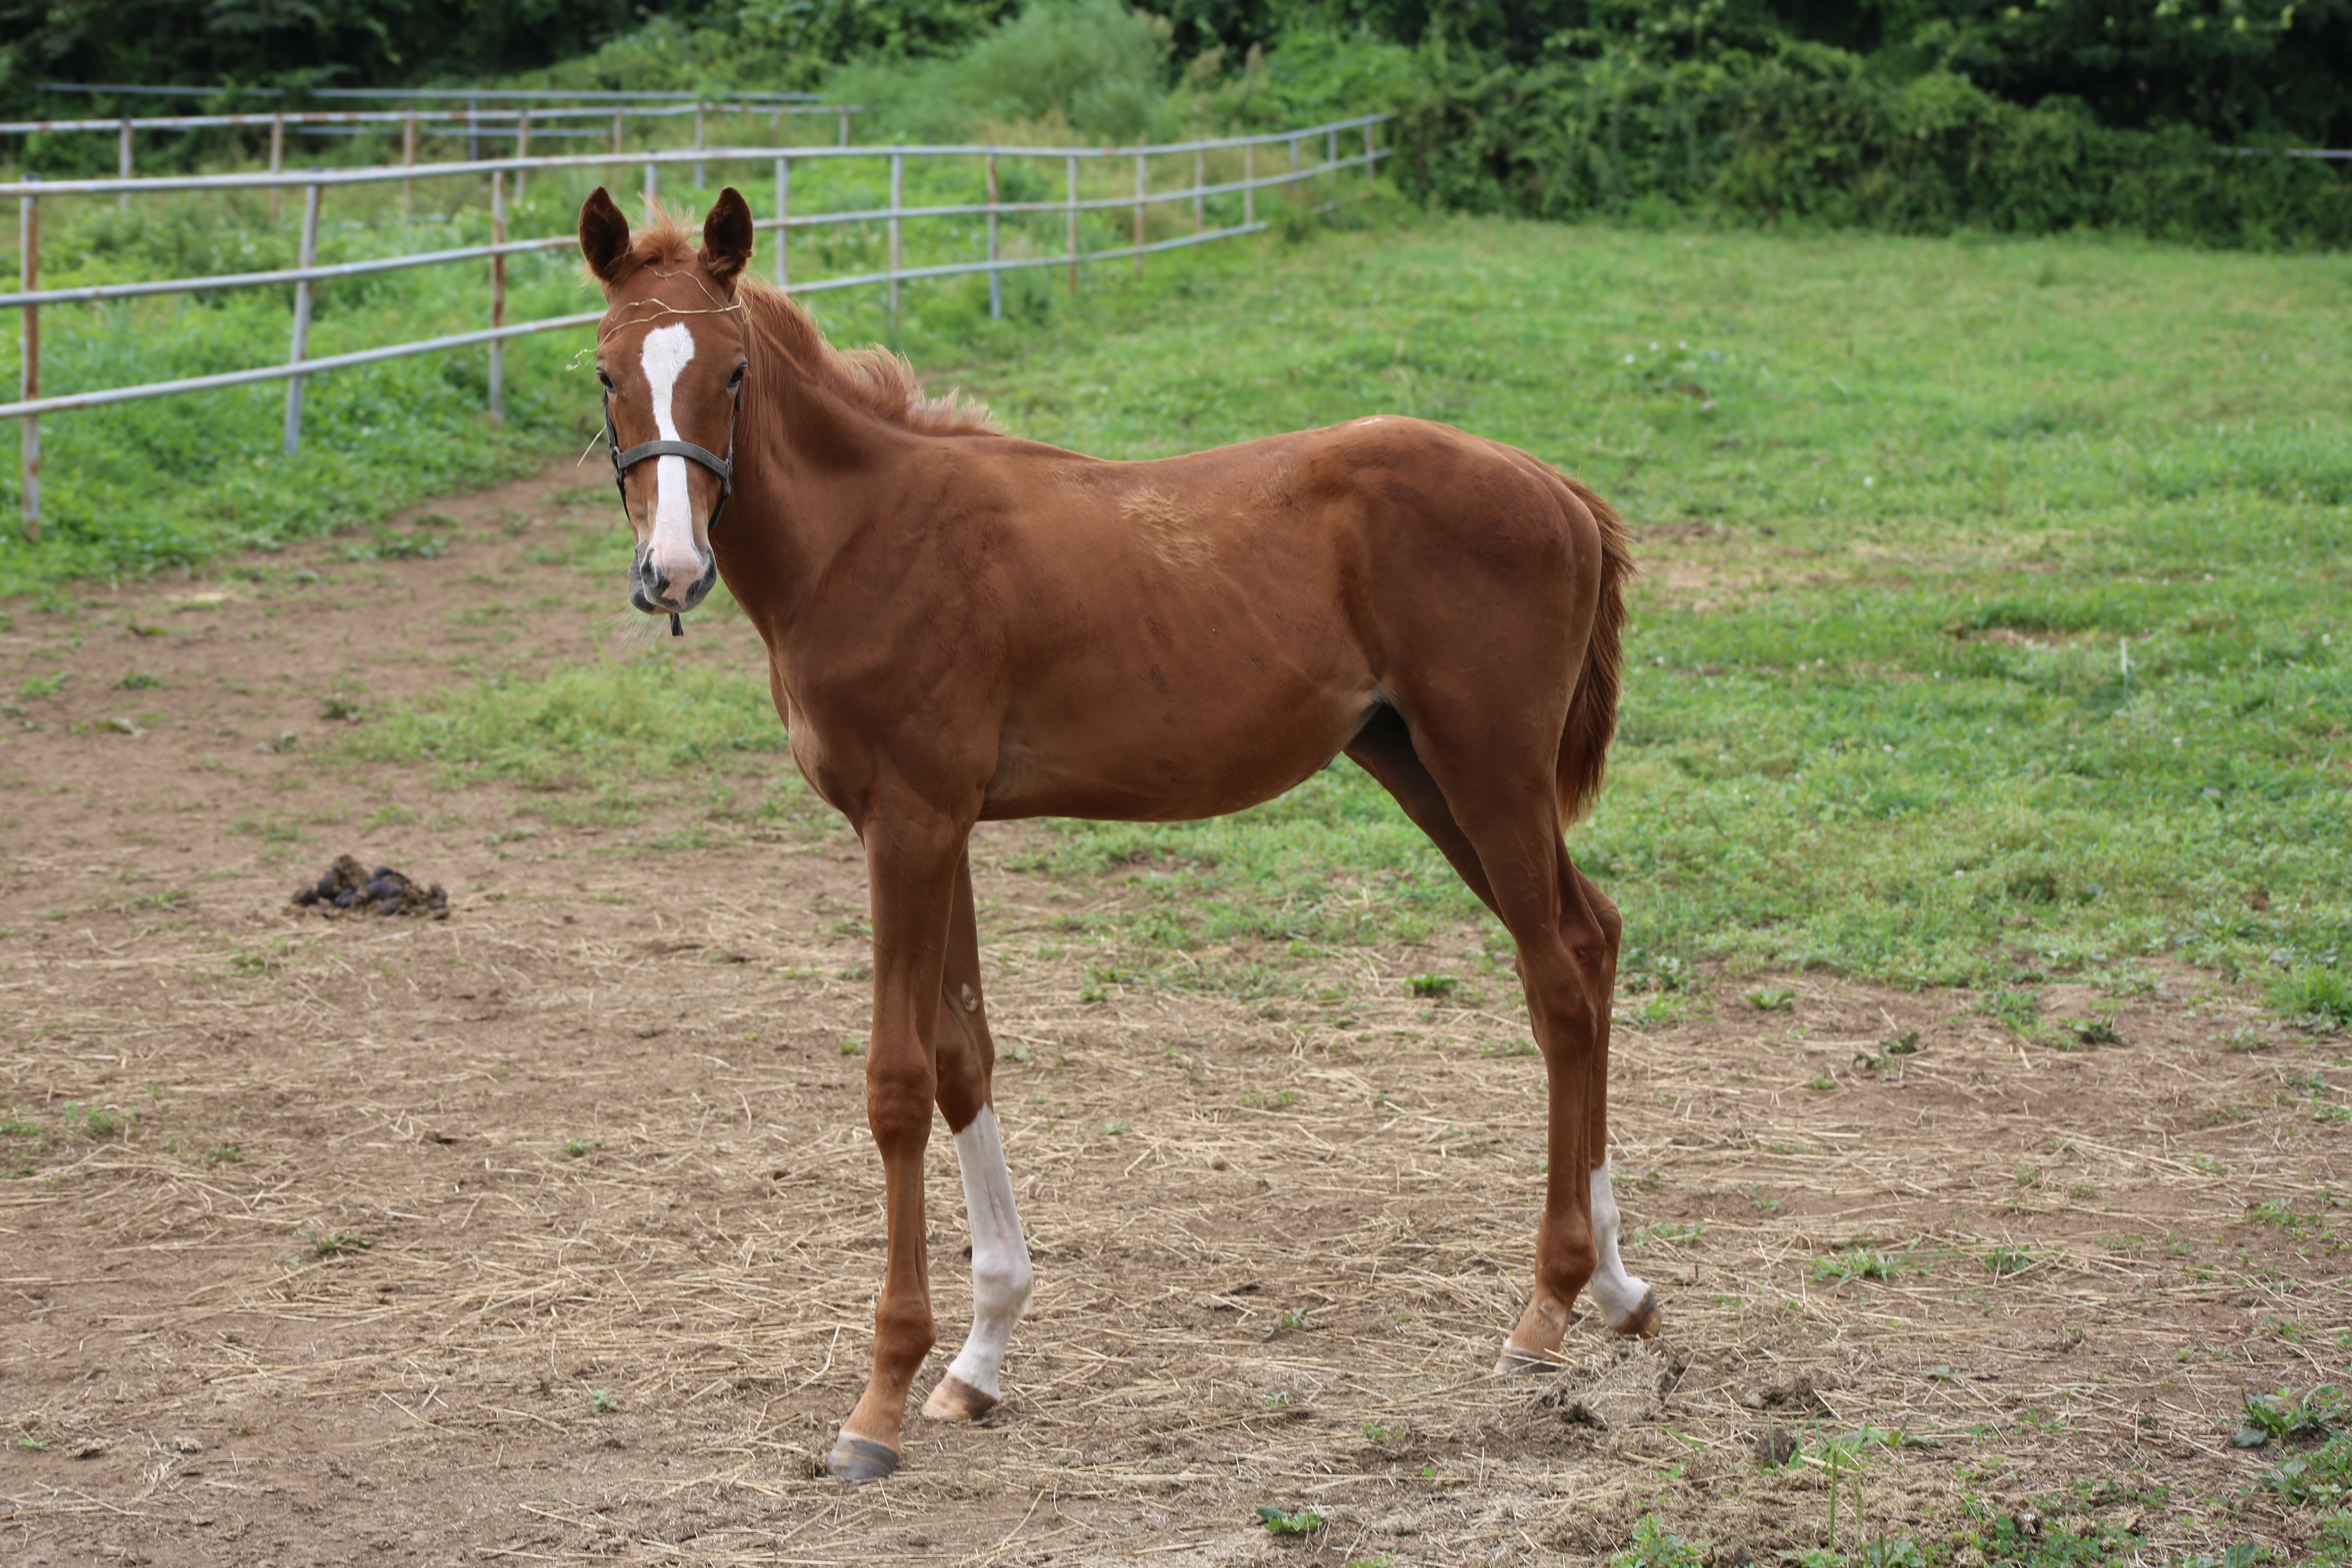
549	1231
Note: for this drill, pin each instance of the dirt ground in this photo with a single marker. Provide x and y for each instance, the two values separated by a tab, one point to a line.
549	1231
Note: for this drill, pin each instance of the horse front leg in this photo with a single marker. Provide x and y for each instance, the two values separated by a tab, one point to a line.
911	858
1001	1278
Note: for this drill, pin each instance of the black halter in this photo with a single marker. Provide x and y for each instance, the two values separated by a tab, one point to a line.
723	467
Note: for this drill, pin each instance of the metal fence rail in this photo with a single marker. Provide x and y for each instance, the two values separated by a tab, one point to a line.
519	124
30	194
499	94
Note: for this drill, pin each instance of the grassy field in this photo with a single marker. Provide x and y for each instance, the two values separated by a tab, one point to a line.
1991	627
1988	635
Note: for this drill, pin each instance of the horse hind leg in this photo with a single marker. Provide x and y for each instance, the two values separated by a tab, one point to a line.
1002	1278
1568	963
1627	1305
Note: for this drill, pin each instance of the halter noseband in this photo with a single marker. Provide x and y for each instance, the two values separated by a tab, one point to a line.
723	467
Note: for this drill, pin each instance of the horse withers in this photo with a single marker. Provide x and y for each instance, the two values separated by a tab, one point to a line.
964	626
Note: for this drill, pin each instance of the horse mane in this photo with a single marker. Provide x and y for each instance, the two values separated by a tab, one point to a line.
876	379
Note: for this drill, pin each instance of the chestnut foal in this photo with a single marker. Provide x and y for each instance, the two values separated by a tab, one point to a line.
964	626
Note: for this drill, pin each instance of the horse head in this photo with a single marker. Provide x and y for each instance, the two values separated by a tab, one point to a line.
671	354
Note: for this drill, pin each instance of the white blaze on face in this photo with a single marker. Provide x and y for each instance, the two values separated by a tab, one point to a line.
667	351
1001	1277
1617	1293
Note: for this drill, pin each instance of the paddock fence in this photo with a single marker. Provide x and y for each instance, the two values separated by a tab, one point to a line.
1310	161
483	118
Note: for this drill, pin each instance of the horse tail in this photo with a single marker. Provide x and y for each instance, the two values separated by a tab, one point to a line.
1592	712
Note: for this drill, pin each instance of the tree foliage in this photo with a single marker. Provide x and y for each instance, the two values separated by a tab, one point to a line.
287	43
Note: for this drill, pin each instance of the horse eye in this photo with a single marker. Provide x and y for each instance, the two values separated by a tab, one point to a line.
603	377
736	379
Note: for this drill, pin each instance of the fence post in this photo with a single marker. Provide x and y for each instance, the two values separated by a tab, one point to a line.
1200	178
408	161
897	199
498	296
123	165
276	158
617	115
783	218
1073	226
845	128
28	370
995	276
473	130
301	347
700	175
523	148
653	185
1249	183
1141	181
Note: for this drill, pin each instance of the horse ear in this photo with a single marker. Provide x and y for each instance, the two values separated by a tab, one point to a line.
727	237
604	237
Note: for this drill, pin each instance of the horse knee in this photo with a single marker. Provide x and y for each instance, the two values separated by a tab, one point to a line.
899	1104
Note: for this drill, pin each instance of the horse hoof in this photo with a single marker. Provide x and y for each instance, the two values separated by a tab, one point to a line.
860	1460
956	1400
1642	1321
1515	1362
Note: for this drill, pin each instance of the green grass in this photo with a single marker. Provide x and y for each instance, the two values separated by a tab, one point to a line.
1992	630
591	724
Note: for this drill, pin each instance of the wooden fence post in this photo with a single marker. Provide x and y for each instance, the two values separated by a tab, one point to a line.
276	158
523	148
653	185
301	346
995	275
701	176
123	165
28	370
1200	178
498	296
408	161
1368	162
1249	183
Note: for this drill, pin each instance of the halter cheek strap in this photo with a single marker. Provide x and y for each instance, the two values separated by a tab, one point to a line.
622	461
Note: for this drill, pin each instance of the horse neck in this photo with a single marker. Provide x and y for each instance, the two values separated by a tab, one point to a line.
811	467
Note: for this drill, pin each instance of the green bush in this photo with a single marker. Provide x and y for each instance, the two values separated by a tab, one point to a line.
1806	133
1097	66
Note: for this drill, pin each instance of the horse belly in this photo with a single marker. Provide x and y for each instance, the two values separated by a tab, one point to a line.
1166	745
